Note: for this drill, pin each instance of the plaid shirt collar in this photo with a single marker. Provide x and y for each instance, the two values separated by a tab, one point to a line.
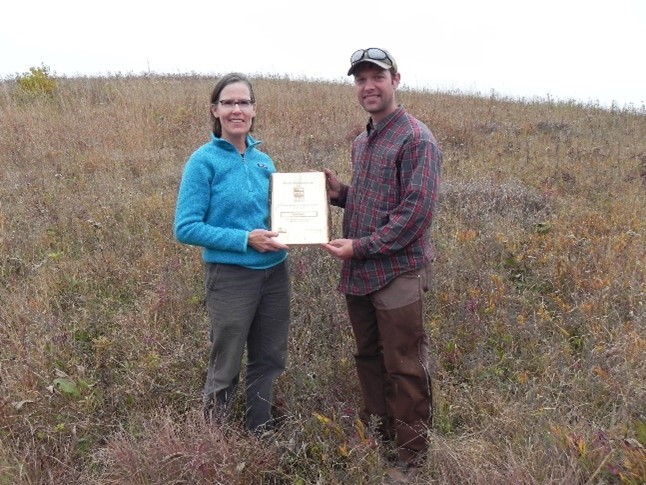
370	127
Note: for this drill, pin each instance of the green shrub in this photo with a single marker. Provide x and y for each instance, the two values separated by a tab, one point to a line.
37	82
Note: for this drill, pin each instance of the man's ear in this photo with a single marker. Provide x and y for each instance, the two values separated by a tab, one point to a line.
396	79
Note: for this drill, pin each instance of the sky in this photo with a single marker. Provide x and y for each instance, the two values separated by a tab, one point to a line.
588	51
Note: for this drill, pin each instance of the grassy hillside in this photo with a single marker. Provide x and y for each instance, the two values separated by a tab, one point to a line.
537	317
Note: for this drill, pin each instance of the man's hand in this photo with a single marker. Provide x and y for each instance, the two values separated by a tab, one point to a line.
263	241
333	185
340	248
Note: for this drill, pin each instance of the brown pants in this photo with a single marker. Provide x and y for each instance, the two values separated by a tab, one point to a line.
392	361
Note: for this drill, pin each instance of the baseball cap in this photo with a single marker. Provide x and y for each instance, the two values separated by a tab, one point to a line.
380	57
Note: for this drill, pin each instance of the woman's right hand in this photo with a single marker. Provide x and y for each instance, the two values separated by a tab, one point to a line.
263	241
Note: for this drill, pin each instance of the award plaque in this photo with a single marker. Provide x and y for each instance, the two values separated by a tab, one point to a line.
299	208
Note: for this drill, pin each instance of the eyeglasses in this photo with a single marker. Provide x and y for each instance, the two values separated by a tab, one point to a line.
244	104
373	53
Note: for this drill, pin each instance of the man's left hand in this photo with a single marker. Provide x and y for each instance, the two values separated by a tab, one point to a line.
340	248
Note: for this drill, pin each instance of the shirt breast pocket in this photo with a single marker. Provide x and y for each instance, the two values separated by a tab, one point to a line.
388	183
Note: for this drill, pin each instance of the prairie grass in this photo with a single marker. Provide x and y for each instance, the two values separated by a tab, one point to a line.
536	318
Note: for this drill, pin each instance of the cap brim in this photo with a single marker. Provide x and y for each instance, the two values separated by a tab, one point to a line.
381	64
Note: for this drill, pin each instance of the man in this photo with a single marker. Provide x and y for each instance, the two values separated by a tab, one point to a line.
386	253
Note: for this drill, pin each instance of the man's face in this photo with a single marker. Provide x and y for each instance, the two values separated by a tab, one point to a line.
375	88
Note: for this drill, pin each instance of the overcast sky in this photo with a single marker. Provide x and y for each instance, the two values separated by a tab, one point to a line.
588	50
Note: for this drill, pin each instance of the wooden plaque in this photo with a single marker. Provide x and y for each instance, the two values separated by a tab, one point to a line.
299	208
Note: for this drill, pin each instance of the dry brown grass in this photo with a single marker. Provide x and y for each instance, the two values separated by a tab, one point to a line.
537	316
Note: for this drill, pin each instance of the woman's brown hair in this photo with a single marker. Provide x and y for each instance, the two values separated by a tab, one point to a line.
231	78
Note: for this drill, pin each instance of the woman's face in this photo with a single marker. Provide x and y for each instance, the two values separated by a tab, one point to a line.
235	111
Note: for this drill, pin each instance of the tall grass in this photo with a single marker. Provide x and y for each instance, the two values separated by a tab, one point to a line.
536	318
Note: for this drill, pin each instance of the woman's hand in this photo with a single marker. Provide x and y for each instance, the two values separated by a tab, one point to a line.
263	241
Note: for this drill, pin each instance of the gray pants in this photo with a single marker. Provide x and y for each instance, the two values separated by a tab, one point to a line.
246	307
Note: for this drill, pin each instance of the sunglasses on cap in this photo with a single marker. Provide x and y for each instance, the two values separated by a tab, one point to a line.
375	55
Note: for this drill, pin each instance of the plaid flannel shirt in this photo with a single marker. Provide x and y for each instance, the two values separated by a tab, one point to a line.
390	202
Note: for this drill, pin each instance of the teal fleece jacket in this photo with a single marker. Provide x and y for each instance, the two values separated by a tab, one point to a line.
222	197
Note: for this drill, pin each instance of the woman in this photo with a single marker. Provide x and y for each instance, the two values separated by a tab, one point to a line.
223	206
